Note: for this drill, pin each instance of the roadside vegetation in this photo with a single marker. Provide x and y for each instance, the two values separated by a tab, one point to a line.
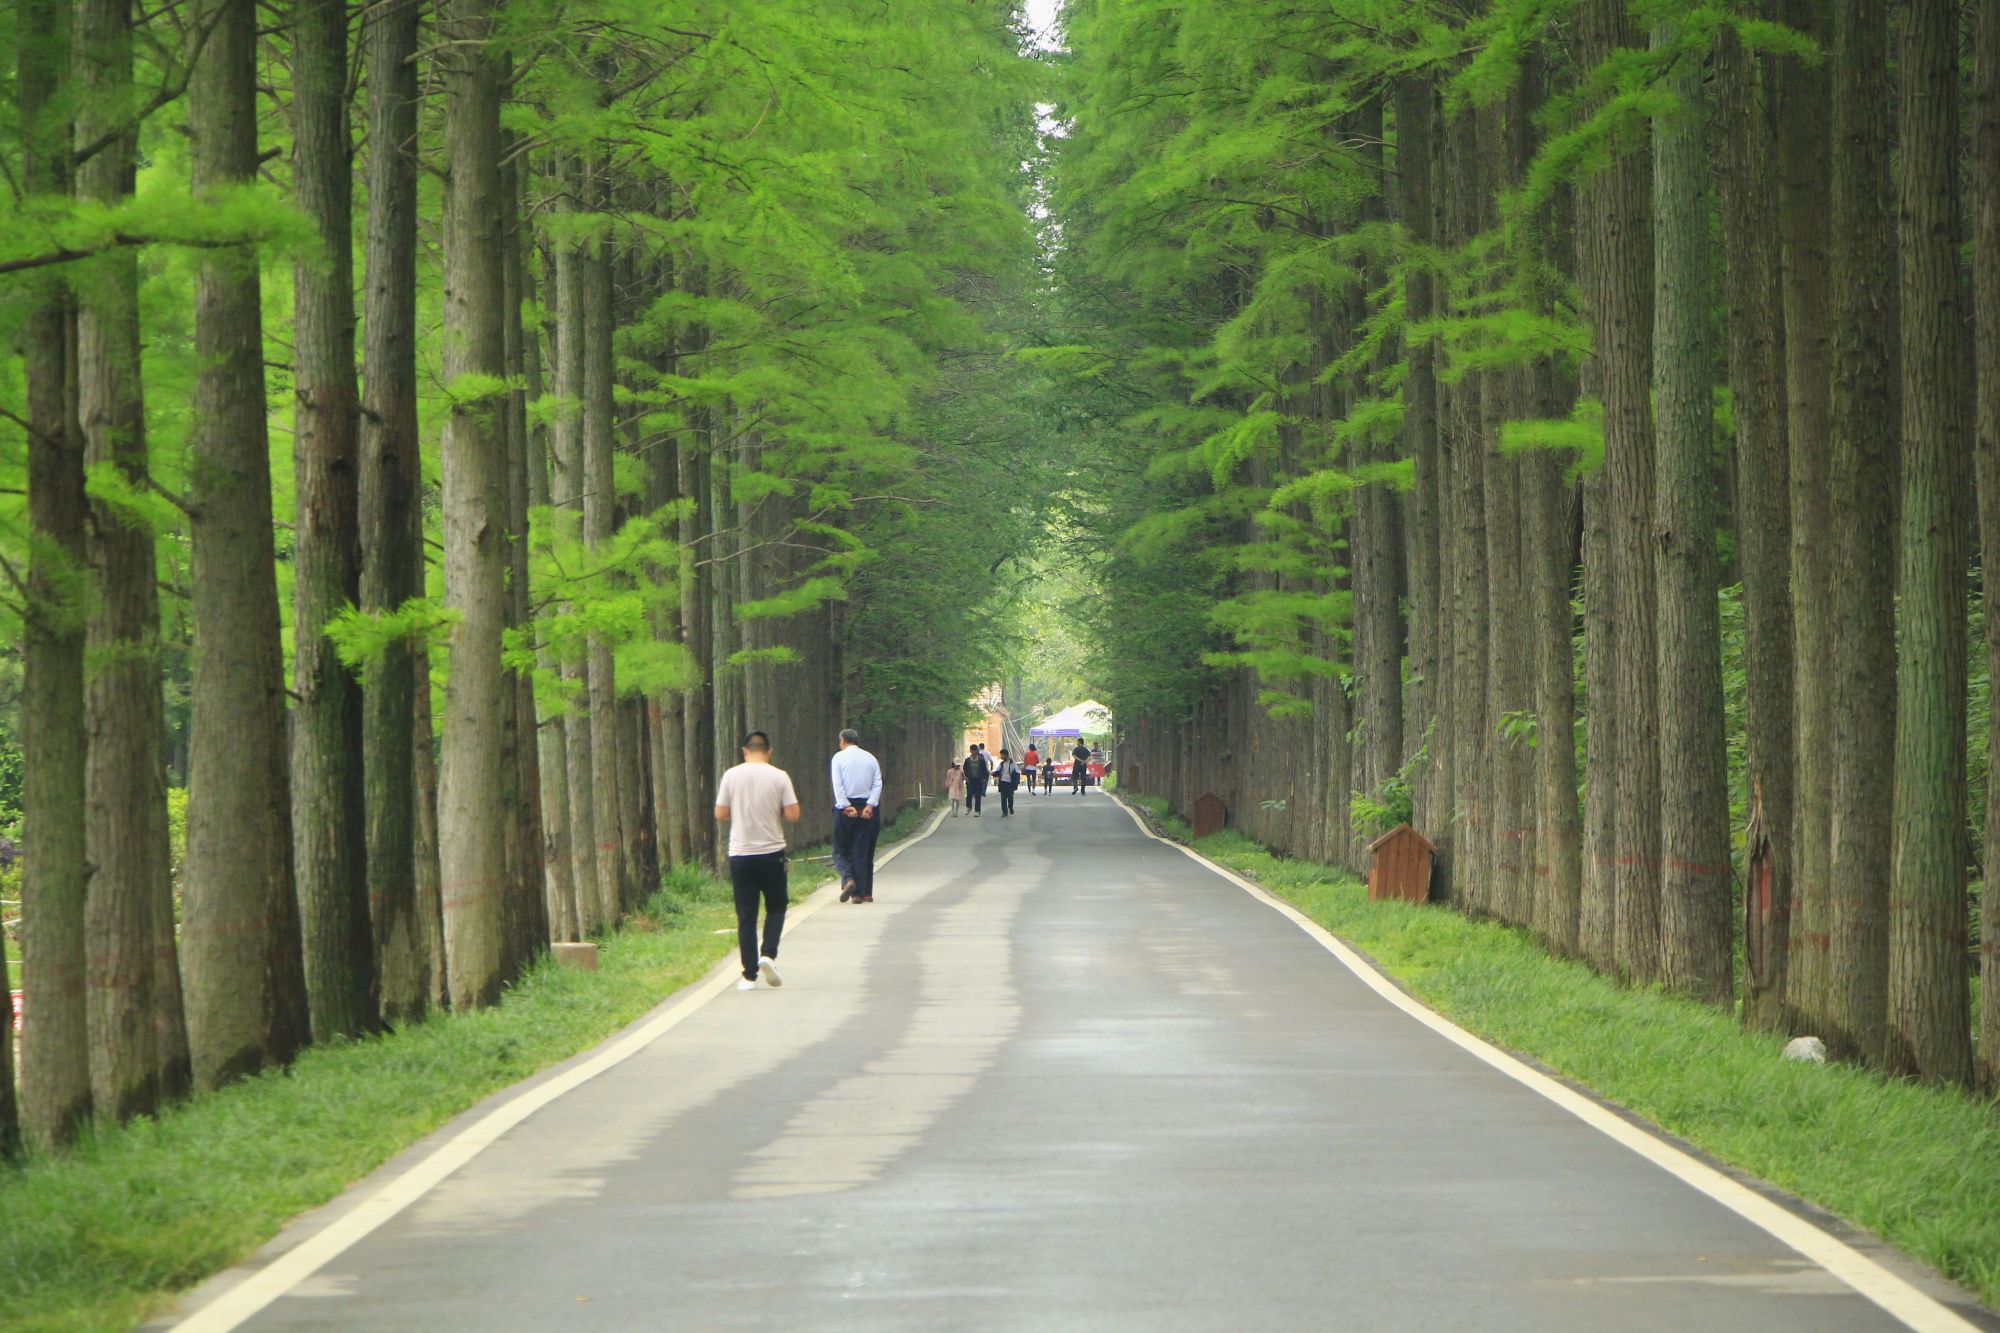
1917	1165
105	1234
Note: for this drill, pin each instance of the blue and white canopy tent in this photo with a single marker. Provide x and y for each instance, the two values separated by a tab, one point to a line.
1088	718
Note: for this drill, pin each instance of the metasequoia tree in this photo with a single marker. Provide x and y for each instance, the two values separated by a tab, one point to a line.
1750	270
1929	1025
327	782
245	992
1986	308
1505	138
1862	417
1695	887
55	1050
1615	266
390	494
1472	729
1415	155
567	491
1802	111
599	503
471	850
125	799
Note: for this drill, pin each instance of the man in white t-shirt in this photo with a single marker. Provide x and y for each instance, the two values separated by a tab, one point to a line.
757	799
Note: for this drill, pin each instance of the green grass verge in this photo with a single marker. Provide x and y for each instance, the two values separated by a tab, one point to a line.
105	1234
1918	1166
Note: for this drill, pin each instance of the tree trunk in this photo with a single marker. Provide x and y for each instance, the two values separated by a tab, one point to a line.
526	910
1929	1017
1986	308
724	635
391	488
429	889
698	728
635	805
246	983
572	340
1509	693
1375	557
1549	504
1597	901
600	501
1415	148
1696	885
171	1051
1802	109
124	873
551	741
1864	475
1470	724
1615	266
55	1049
1763	518
668	744
327	791
471	784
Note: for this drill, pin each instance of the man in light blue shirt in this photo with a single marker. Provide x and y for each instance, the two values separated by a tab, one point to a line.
857	817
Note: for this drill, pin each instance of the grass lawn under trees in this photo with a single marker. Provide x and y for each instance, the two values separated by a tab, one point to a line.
1918	1166
106	1234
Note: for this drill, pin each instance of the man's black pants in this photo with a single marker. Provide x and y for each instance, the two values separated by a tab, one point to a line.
975	792
1007	797
854	849
755	877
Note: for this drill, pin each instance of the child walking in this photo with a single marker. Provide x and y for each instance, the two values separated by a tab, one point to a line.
954	786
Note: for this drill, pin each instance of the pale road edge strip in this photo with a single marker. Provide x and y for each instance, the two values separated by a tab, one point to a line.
1893	1294
267	1284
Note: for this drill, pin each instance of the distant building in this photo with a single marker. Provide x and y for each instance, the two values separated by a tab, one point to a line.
991	730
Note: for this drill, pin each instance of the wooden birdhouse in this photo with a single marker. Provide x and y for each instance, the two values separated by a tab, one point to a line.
1210	814
1400	866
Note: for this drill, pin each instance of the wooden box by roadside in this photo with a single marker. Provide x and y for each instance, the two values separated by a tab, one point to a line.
582	957
1400	866
1210	814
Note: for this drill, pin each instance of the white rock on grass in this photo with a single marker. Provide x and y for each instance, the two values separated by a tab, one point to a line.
1810	1050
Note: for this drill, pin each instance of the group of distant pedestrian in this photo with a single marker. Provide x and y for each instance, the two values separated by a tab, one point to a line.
965	781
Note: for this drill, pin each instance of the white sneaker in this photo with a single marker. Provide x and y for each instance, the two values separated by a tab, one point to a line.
769	971
746	984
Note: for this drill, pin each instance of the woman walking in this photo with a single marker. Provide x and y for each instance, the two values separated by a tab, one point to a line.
977	770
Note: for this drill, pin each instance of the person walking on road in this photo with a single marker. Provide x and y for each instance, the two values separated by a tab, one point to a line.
1079	770
857	817
756	799
1029	763
1007	777
1049	776
976	772
954	786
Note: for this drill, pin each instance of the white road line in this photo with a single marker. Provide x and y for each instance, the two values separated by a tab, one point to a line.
1901	1300
267	1284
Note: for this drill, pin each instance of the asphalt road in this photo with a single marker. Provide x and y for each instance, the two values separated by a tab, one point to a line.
1060	1076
